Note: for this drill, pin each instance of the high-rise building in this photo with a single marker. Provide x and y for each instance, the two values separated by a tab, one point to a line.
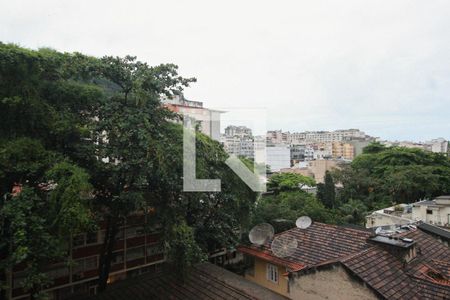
207	119
278	157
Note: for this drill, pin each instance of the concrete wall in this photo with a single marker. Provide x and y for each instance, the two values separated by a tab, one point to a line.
439	216
333	283
319	167
260	278
379	219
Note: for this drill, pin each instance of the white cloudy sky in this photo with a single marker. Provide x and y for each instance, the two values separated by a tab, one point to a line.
382	65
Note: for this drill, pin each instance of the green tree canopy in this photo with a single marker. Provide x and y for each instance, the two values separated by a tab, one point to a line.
289	182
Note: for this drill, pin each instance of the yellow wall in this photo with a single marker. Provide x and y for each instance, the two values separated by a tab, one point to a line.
333	283
260	278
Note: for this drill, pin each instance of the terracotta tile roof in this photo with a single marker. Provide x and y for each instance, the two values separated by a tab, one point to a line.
268	256
329	242
383	272
205	281
424	277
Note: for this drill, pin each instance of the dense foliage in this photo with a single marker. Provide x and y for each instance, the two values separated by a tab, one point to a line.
383	176
84	139
286	201
380	177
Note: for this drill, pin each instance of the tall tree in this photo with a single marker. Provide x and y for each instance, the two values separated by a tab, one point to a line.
326	192
45	195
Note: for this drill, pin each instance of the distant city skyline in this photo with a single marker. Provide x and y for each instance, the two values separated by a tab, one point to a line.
382	66
223	126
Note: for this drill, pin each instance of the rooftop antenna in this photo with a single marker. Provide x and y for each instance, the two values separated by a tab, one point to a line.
284	245
261	233
303	222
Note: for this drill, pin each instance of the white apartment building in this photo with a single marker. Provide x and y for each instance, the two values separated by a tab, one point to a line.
278	157
239	146
439	145
277	136
240	131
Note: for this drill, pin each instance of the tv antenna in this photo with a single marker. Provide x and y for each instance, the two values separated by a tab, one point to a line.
261	233
284	245
303	222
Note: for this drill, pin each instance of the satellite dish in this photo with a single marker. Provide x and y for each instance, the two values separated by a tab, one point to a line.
303	222
261	233
378	230
284	245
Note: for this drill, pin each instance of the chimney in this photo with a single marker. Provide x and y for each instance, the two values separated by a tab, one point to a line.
404	249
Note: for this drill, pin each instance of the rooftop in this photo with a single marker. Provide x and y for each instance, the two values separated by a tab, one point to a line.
434	230
367	257
204	281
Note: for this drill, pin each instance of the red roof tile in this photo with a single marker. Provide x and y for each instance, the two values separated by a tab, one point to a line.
267	256
384	272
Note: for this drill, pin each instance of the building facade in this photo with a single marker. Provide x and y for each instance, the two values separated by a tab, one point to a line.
435	212
278	157
136	251
208	120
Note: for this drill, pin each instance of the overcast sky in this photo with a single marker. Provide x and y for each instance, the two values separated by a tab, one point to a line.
382	66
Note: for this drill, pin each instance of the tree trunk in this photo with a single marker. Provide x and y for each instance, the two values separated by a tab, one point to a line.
106	254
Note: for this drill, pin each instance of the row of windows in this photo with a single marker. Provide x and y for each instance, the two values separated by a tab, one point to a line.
91	263
98	237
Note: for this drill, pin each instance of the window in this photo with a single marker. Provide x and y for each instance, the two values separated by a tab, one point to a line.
429	212
78	240
135	253
57	271
119	235
134	231
92	238
19	279
117	258
272	273
85	264
81	240
155	249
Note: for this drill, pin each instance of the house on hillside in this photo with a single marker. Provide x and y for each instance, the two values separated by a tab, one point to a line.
338	262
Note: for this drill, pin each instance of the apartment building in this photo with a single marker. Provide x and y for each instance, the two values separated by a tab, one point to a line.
439	145
278	157
315	136
239	146
137	250
343	150
277	137
207	119
239	131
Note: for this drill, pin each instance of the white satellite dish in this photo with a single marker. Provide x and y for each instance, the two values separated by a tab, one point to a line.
303	222
261	233
284	245
378	230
